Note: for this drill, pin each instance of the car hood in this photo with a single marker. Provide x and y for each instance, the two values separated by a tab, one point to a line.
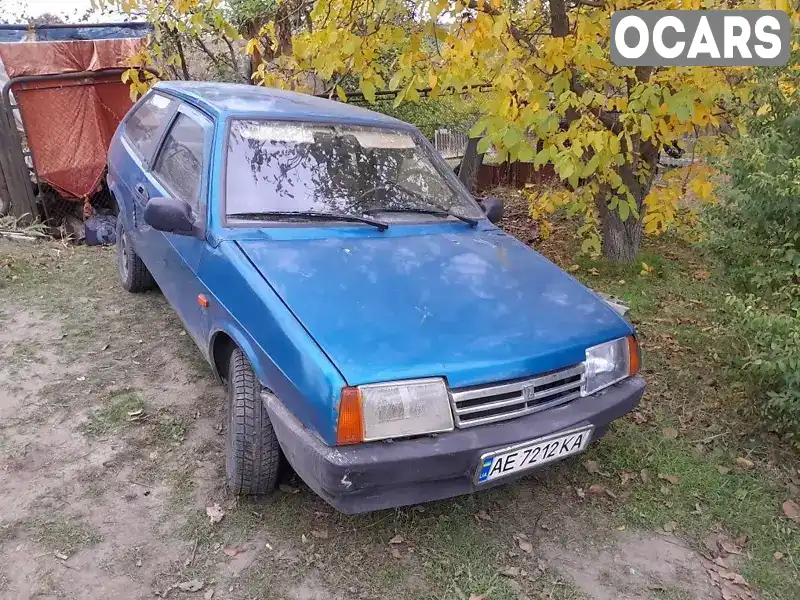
476	306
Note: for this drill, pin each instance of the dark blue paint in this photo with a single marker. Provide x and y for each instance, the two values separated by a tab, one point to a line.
320	306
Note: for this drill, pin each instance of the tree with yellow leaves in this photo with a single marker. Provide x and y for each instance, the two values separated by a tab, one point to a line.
556	96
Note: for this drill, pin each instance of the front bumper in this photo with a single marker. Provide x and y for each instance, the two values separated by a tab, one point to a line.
378	475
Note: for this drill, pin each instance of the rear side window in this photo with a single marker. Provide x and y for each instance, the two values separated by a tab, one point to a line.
179	165
143	125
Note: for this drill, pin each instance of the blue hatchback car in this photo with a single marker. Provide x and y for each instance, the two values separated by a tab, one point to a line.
370	322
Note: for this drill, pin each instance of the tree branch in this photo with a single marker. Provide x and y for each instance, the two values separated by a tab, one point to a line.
233	59
177	41
559	22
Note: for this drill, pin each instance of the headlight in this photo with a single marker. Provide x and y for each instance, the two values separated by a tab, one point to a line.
382	411
608	363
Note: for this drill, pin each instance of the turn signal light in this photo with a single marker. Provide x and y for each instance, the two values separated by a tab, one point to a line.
635	356
351	418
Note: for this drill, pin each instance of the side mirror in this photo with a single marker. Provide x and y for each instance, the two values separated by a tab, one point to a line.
170	215
493	207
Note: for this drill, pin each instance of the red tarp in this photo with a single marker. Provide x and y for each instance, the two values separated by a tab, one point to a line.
70	123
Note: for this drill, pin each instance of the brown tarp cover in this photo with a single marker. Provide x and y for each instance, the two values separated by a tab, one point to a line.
70	123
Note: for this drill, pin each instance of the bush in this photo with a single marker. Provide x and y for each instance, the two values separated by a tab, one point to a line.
756	232
756	229
772	364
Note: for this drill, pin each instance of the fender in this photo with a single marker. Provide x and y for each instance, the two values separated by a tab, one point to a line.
243	341
122	210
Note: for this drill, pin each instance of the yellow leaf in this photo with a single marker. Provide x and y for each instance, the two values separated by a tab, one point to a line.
368	89
647	128
764	109
341	94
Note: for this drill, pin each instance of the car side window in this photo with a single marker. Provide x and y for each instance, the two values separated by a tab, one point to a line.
143	125
179	165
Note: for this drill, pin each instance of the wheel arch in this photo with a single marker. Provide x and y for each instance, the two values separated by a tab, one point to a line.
222	344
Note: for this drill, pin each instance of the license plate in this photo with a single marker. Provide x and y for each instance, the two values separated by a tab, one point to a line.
525	456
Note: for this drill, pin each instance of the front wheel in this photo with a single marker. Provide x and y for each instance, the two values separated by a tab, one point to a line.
253	454
132	271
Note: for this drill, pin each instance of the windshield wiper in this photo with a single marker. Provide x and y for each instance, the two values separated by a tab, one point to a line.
425	211
279	214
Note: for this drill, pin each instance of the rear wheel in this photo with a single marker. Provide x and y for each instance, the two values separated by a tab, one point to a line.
253	454
132	271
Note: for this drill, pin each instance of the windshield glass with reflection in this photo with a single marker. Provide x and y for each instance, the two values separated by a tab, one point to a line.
309	167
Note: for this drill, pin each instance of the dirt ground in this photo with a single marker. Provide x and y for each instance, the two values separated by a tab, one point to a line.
111	450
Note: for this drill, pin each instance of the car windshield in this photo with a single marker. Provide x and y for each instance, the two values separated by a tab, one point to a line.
285	167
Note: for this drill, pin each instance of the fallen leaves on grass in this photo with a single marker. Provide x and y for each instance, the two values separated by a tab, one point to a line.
791	510
723	470
639	418
195	585
396	553
510	572
744	463
670	433
476	597
701	275
644	474
599	490
593	467
730	583
482	515
288	489
673	479
670	526
729	547
778	556
319	534
233	550
215	513
523	543
398	539
136	415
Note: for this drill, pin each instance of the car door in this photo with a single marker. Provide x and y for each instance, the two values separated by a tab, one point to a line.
141	132
180	170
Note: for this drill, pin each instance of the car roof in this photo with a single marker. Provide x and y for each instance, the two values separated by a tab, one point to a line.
226	99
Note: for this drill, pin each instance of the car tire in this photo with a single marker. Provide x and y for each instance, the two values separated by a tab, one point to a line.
132	271
253	453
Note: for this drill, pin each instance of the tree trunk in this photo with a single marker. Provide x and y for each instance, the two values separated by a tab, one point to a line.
621	239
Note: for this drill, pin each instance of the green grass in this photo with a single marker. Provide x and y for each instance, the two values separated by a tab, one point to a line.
169	429
689	356
65	536
114	414
743	502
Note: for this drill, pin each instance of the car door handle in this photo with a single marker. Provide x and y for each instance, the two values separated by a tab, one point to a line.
141	191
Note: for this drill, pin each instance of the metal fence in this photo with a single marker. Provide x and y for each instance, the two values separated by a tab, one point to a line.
449	143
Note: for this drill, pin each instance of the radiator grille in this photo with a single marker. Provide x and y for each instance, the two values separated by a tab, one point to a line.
489	403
